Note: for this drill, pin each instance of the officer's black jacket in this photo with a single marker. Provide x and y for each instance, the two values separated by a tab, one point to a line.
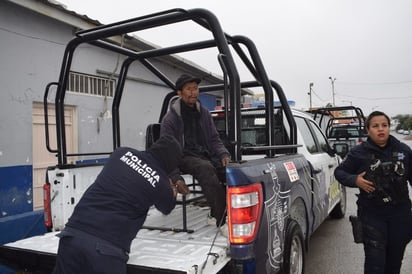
359	158
115	206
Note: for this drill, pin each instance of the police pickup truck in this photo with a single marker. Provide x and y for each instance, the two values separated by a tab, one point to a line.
344	126
280	183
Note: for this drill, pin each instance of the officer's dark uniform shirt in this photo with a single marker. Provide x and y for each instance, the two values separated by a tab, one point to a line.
359	159
114	207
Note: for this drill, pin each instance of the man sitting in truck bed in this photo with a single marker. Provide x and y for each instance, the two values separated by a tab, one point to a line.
203	151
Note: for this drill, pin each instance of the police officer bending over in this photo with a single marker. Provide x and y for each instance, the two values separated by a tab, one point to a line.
381	169
98	235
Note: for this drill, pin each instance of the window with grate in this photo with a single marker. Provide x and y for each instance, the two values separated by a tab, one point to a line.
90	84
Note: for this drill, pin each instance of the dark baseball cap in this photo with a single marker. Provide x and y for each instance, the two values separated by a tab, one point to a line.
184	79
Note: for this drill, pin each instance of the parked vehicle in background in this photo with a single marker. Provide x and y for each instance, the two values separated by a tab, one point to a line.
344	126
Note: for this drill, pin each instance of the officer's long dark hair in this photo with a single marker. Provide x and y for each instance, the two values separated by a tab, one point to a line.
374	114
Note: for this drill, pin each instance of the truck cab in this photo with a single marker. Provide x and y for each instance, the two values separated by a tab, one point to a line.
305	194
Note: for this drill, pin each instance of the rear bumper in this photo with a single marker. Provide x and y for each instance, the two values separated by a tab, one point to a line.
20	259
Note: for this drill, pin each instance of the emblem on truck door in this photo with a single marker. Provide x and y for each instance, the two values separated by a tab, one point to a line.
276	208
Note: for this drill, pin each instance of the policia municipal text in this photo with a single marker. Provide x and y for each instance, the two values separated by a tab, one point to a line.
381	169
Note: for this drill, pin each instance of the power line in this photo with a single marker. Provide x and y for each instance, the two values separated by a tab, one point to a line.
317	96
376	84
377	98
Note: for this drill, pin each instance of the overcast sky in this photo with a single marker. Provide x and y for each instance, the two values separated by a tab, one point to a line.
366	45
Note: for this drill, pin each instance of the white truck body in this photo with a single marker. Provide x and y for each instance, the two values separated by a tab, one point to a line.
203	251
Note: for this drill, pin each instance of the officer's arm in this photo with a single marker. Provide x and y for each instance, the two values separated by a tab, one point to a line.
166	197
346	173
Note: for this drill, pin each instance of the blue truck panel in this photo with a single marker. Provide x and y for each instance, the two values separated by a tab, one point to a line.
16	190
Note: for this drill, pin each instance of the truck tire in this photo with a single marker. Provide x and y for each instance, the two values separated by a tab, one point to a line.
294	253
339	211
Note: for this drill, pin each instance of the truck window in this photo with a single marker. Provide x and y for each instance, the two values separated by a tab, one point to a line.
253	125
306	135
322	141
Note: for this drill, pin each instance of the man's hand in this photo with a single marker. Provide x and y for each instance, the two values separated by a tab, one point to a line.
173	187
182	187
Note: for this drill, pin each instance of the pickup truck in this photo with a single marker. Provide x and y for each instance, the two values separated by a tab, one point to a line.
344	126
280	183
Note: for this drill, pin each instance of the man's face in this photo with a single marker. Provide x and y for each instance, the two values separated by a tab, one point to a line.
189	93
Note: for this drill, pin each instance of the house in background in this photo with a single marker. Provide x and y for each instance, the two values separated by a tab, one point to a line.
33	37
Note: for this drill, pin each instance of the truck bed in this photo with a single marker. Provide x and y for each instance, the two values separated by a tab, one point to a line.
164	251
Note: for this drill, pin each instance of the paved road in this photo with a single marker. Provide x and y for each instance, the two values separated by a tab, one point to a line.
332	250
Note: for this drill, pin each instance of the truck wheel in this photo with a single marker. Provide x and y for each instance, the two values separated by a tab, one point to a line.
338	212
294	254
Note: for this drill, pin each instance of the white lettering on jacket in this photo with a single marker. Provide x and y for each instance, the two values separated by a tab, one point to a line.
141	168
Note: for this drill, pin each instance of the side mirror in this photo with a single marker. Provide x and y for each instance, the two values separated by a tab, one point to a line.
341	149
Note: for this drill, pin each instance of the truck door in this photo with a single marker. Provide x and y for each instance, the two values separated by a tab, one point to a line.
316	150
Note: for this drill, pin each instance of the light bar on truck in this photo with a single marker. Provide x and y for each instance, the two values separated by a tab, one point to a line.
244	212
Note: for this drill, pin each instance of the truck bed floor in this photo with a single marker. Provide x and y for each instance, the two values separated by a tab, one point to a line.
182	252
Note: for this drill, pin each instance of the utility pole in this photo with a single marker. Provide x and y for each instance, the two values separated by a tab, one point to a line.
332	80
310	96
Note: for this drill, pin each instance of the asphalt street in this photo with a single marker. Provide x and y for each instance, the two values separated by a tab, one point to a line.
331	248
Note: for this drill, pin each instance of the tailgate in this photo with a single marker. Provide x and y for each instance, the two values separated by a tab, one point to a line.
152	251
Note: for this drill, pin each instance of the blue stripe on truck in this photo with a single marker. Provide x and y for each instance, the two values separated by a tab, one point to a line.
21	226
16	190
17	218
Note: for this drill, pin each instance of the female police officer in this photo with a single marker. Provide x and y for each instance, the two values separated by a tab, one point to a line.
381	168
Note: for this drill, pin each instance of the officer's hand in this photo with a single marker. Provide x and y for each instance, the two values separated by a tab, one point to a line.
182	187
364	184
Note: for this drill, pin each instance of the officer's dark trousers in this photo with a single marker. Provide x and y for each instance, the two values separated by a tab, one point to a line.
205	172
83	253
386	232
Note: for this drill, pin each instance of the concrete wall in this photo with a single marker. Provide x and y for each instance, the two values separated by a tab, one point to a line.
30	47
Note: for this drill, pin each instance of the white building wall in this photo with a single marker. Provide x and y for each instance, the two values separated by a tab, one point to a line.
32	47
31	52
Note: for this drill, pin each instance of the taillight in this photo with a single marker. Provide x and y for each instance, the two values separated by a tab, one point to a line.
244	212
46	205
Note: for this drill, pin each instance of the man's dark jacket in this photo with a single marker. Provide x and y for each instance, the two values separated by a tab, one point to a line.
172	124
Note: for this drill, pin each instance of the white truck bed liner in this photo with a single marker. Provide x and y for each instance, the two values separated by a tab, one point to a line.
180	251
